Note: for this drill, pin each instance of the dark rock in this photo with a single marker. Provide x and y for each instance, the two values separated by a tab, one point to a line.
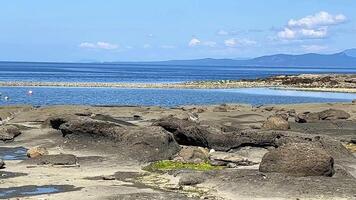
276	123
269	108
9	132
333	114
191	179
298	159
144	144
185	132
56	121
330	114
193	134
307	117
2	164
353	140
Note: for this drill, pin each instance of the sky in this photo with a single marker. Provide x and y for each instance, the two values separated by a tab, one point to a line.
138	30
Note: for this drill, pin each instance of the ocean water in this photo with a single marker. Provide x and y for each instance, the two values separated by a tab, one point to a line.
152	74
163	97
145	73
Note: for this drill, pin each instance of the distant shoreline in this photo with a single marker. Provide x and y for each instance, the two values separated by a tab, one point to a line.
317	83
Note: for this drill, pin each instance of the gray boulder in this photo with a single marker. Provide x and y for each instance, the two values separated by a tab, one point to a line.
330	114
9	132
333	114
298	159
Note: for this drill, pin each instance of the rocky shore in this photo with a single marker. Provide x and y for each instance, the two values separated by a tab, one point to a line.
309	82
304	151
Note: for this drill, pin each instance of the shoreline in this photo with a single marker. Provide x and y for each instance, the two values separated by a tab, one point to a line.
304	82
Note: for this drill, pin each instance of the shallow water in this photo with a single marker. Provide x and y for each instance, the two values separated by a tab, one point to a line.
32	190
163	97
13	153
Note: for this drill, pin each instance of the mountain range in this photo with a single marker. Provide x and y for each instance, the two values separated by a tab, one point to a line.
346	58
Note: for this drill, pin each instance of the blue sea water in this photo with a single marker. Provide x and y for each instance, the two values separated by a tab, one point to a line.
56	72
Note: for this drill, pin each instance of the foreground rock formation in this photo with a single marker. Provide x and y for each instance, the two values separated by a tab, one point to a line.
202	152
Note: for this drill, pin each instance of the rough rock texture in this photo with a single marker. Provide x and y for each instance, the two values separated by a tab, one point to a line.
191	179
190	133
9	132
190	154
298	159
2	164
333	114
223	159
145	144
185	132
276	123
60	159
36	152
330	114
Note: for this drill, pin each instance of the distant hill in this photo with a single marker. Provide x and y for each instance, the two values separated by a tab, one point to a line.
343	59
350	52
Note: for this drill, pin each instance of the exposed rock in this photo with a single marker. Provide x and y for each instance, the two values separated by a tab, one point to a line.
2	164
191	179
333	114
276	123
193	134
9	132
145	144
254	154
220	109
36	152
269	108
307	117
56	121
185	132
223	158
330	114
60	159
190	154
298	159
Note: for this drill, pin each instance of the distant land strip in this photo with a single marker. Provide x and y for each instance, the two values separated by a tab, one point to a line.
307	82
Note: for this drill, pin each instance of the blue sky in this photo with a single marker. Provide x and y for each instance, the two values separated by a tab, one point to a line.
137	30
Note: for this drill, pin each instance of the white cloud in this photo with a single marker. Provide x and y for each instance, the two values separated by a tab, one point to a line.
319	19
311	27
314	48
194	42
98	45
231	42
287	33
147	46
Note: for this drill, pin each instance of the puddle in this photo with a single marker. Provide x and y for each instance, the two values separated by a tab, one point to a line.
15	153
5	175
32	190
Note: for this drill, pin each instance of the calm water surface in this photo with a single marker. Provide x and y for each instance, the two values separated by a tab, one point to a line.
163	97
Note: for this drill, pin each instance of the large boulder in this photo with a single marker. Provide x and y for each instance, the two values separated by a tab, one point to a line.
298	159
185	132
276	123
330	114
142	143
9	132
333	114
